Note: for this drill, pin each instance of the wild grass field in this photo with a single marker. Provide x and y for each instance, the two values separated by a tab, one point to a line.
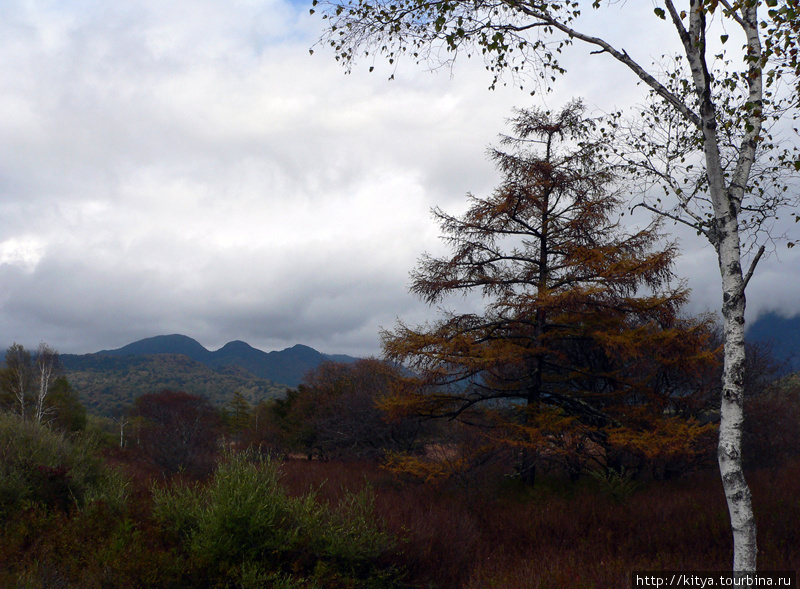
262	523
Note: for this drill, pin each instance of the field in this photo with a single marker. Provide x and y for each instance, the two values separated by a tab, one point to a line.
494	533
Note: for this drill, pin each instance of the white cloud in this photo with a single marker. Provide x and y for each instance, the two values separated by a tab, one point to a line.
189	167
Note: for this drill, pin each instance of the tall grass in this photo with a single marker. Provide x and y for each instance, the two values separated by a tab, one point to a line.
260	523
560	534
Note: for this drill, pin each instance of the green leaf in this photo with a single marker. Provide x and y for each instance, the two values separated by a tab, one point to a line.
723	38
660	13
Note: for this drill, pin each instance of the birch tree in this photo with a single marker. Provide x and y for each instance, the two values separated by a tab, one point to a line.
757	84
46	369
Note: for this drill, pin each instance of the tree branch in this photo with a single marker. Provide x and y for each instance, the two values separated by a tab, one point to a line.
751	269
622	57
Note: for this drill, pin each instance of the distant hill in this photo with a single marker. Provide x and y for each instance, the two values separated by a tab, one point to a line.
162	344
286	367
113	378
782	332
108	384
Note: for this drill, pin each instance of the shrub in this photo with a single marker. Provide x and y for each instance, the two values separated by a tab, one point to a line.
336	413
178	432
245	518
44	468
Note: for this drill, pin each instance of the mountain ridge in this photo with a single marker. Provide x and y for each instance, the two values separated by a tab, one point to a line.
285	367
782	333
110	380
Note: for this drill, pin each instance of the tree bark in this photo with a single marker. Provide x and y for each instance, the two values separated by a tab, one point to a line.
725	236
737	493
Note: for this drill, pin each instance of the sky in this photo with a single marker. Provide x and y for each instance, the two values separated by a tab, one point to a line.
190	167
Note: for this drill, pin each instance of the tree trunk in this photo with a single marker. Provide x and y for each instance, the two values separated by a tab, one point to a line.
729	455
726	199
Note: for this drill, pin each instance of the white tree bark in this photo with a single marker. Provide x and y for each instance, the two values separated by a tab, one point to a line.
46	368
724	234
18	370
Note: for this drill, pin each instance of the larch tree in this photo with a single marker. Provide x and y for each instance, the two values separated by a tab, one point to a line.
581	322
756	83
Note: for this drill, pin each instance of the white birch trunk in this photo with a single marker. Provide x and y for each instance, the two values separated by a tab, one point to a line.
725	236
46	368
45	376
737	493
20	392
46	363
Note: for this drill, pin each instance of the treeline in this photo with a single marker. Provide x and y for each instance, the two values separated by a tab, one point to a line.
348	412
108	385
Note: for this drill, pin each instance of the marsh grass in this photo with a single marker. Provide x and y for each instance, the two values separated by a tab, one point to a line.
297	524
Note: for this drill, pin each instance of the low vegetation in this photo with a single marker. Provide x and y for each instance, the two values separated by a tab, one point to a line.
323	489
259	522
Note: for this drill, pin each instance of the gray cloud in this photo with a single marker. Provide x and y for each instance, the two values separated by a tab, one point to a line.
188	167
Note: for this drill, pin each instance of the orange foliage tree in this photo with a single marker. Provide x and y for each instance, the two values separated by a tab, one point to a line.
580	335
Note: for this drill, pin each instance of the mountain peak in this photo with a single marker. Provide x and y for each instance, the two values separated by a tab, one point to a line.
236	345
162	344
286	367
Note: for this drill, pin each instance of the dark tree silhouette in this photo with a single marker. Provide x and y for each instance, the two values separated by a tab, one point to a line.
178	431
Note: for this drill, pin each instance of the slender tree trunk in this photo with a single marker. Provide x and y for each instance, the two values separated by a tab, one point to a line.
726	198
729	454
20	384
45	376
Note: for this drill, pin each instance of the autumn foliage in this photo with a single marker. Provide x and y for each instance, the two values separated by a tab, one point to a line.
580	346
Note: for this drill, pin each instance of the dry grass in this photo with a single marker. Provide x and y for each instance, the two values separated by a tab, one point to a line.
560	535
497	534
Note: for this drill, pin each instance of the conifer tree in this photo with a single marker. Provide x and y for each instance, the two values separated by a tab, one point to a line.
581	330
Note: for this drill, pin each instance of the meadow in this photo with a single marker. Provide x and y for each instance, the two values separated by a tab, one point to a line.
107	518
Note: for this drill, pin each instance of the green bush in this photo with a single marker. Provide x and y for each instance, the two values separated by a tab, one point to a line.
617	484
244	526
39	467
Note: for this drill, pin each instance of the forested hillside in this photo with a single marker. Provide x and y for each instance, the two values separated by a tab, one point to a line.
109	384
110	380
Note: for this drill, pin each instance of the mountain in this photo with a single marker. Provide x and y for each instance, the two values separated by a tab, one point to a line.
163	344
782	332
110	379
108	384
286	367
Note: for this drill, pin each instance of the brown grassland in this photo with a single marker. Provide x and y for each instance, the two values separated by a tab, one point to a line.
559	534
495	533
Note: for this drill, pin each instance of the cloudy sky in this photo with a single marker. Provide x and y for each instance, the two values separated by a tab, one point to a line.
188	167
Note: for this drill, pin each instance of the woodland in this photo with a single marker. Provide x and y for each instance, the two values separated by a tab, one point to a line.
563	435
